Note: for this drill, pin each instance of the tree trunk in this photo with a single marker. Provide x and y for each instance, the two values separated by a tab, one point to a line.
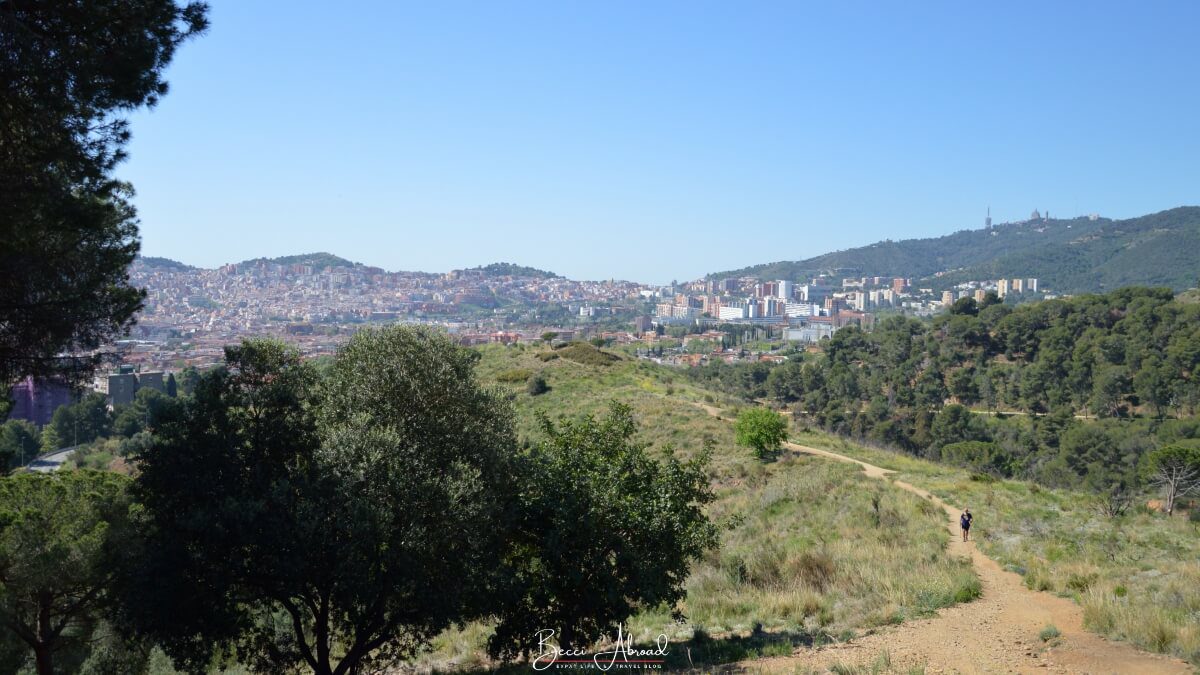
45	636
45	665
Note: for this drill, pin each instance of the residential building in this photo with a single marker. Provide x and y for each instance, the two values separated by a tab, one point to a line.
36	399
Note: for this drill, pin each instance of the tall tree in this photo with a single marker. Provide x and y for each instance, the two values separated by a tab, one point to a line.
19	442
69	73
57	535
606	528
332	526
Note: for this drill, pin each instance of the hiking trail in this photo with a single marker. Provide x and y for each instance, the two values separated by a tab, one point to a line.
996	633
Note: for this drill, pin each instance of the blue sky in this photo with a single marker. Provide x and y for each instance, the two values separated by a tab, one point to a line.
656	140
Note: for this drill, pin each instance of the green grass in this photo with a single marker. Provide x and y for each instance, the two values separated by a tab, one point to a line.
811	550
1137	576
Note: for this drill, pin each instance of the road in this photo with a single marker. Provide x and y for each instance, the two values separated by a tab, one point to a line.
52	461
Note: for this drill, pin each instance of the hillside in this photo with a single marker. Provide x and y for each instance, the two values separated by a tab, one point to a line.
812	551
319	260
164	263
503	269
1069	256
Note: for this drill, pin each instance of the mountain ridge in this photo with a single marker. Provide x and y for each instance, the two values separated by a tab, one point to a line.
323	259
1074	255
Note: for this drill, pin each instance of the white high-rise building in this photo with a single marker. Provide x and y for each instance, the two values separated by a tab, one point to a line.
785	289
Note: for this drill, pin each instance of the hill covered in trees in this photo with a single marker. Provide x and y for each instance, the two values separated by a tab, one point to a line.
164	263
1093	384
319	260
503	269
1078	255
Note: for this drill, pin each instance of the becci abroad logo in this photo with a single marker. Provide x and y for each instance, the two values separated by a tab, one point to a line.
622	656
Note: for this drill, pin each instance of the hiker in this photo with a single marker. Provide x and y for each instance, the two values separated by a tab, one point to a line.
964	521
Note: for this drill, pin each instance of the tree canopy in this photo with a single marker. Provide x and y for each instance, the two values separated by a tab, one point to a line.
327	525
70	73
57	536
605	529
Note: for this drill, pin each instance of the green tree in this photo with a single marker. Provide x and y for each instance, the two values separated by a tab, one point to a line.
83	421
1175	469
609	529
69	73
357	518
954	424
964	387
549	336
762	430
172	386
50	440
58	532
1108	393
188	378
19	442
148	405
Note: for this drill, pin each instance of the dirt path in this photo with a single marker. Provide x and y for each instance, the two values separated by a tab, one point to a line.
997	633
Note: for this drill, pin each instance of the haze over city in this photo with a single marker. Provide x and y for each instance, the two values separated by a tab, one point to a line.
654	142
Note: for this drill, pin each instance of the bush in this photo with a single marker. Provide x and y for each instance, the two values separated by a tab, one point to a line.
761	430
547	356
582	352
536	385
1049	633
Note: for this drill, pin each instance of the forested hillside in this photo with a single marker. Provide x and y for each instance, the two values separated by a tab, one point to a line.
1068	256
1093	382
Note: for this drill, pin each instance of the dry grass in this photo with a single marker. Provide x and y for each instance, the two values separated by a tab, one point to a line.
1137	576
811	551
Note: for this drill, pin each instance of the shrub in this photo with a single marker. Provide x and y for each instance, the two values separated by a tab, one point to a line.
1049	633
815	568
582	352
761	430
536	385
515	375
547	356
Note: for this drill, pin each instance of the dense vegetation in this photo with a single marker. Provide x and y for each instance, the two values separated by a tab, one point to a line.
332	519
164	263
1070	256
503	269
1127	362
316	260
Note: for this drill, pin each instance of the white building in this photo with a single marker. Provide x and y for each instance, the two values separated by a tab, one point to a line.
801	309
731	312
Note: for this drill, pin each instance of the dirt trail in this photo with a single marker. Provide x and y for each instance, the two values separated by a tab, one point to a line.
997	633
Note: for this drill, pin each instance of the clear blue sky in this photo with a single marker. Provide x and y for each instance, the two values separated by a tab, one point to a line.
656	140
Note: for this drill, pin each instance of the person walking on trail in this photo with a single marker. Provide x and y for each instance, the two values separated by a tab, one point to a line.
964	522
